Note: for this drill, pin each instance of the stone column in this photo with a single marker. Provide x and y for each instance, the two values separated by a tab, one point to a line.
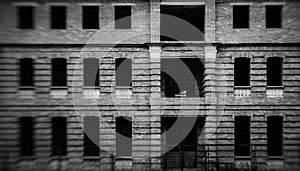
210	21
155	21
155	105
211	101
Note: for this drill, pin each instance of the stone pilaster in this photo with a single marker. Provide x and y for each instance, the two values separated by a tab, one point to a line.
155	21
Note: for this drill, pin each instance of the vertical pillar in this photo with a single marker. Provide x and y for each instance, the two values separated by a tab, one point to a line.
155	105
212	117
210	21
155	21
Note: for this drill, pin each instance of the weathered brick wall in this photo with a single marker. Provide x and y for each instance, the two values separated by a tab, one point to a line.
257	33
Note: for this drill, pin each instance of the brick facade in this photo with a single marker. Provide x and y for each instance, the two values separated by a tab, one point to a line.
145	106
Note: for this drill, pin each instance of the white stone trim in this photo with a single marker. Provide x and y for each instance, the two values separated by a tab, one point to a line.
89	4
273	3
182	3
241	3
123	4
25	3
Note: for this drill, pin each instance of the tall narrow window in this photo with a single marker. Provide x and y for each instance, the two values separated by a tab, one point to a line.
91	136
242	136
58	17
273	16
123	136
241	16
182	22
26	17
123	72
274	129
91	72
122	17
181	77
26	72
242	72
59	72
274	71
26	133
90	17
59	136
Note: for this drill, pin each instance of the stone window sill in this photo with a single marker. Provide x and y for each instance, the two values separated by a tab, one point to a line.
275	91
242	91
59	92
123	92
91	92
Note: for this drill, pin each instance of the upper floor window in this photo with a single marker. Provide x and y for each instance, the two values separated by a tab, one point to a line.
274	71
123	72
122	17
58	17
91	136
242	136
187	26
242	72
274	135
91	72
123	136
59	136
273	16
26	133
182	77
241	16
59	72
26	17
26	72
90	17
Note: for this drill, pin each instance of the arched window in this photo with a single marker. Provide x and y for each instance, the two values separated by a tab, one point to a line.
59	136
26	72
274	135
91	72
242	136
242	72
59	72
274	71
91	136
123	72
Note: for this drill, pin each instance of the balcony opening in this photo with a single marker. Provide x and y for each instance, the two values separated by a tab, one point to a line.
91	136
26	73
182	77
182	153
274	71
242	136
173	29
242	72
91	72
59	72
274	135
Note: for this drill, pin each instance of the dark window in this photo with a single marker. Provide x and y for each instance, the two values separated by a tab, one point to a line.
274	71
91	72
59	72
26	133
123	72
90	17
26	72
241	16
181	77
123	136
59	138
91	136
122	17
242	136
188	27
58	17
273	16
183	153
242	72
26	17
274	129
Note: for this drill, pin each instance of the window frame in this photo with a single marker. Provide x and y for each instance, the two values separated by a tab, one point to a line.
26	152
54	77
85	78
33	17
269	118
238	122
239	81
89	144
56	140
51	5
83	5
21	76
271	82
131	5
281	16
123	126
119	79
249	15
